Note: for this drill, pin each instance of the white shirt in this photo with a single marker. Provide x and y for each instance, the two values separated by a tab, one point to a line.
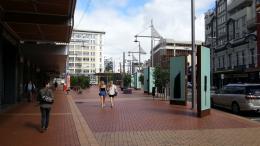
112	90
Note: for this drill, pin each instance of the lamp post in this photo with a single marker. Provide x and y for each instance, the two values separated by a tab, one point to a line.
193	56
139	48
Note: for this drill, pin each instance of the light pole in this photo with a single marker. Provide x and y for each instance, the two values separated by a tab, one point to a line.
139	48
193	56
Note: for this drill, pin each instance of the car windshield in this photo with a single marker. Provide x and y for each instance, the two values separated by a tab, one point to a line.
253	90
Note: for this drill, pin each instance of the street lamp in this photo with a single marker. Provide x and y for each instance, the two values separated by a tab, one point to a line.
193	55
139	48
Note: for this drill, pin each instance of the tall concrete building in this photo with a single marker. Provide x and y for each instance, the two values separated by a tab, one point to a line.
86	54
230	32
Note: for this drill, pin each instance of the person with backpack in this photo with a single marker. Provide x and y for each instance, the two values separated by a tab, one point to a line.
46	101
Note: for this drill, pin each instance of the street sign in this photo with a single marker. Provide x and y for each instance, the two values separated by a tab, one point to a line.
222	76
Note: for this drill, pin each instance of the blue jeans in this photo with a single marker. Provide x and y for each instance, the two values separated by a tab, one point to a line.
45	117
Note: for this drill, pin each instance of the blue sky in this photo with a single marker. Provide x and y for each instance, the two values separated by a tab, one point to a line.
91	5
123	19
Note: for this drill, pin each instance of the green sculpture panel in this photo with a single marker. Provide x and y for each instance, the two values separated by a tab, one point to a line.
148	79
203	90
177	80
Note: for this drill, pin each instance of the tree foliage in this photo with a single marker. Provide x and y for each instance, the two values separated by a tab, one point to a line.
161	77
82	81
127	80
109	66
141	79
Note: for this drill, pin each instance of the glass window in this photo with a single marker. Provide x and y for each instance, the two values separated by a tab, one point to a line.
253	90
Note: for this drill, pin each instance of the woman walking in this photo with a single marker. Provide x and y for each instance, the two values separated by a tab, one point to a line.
46	100
102	93
112	92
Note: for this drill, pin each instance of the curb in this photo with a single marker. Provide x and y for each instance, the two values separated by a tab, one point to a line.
85	135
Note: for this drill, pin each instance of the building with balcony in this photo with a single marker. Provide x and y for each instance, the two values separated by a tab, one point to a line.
230	32
86	54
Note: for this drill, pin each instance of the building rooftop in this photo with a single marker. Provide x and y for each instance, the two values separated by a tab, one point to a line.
89	31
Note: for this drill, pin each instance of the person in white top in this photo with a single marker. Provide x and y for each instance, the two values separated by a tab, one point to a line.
112	92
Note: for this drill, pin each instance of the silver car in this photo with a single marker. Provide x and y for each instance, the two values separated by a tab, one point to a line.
238	97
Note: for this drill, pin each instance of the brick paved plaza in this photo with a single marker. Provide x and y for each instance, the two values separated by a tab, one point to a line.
136	120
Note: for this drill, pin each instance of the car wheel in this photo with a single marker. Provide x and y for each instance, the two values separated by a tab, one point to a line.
235	108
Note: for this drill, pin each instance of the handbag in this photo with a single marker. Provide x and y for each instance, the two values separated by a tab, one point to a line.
47	99
115	93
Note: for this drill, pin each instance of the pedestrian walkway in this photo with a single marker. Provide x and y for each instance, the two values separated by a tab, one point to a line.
20	125
137	119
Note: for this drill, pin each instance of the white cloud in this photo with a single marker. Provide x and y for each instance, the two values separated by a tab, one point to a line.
171	19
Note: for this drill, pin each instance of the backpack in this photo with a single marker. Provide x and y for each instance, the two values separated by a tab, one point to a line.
46	98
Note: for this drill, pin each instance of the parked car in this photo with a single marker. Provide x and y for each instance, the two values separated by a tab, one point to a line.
238	97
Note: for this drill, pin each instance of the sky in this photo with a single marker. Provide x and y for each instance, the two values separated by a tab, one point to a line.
123	19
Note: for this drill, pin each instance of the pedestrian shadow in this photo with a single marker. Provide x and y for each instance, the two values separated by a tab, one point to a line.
32	126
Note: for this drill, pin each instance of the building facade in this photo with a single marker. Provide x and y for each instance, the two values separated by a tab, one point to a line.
168	48
86	54
230	32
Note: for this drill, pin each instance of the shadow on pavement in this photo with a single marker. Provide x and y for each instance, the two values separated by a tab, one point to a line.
33	126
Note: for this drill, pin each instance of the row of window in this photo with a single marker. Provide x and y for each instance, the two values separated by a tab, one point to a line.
221	8
81	47
71	59
82	53
83	36
237	59
80	71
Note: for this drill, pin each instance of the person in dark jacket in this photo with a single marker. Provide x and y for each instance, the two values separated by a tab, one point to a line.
45	105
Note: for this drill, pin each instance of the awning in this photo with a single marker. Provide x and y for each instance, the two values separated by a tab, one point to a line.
37	26
38	20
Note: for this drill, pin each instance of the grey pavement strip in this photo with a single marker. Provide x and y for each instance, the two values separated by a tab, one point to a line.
85	135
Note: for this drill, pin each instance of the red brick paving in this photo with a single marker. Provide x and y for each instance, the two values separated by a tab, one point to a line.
19	126
146	114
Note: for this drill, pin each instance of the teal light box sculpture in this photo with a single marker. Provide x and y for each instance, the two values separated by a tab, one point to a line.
148	80
177	80
137	82
203	91
146	76
132	81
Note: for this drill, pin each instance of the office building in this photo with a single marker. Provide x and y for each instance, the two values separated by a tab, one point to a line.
86	54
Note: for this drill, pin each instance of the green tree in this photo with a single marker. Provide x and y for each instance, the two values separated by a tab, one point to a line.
141	79
81	81
73	80
127	80
161	78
